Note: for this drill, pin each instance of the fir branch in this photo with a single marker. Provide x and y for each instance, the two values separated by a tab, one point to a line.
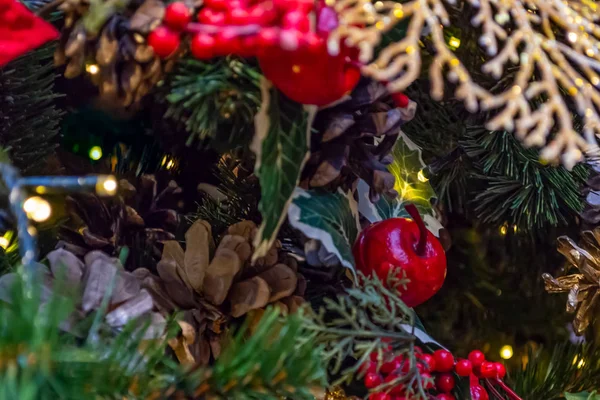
364	320
214	100
568	368
270	364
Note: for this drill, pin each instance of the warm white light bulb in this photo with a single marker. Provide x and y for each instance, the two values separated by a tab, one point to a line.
506	352
37	208
106	185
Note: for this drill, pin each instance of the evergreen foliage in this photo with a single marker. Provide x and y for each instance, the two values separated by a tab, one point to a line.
214	100
505	183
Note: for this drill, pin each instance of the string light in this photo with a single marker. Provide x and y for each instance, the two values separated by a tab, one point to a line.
4	242
421	177
106	186
95	153
454	43
37	208
506	352
579	361
503	230
92	69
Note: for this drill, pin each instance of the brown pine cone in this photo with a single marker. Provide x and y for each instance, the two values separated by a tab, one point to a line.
213	290
88	282
353	140
138	218
111	37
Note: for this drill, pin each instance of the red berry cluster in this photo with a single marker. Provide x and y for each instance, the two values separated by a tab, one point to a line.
251	27
165	39
440	365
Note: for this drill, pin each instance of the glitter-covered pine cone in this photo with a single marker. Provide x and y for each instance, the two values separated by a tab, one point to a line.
211	290
140	217
354	139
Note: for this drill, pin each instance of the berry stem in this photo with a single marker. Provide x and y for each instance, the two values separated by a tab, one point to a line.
509	392
422	243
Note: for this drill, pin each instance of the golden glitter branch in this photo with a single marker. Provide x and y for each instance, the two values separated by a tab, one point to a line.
555	43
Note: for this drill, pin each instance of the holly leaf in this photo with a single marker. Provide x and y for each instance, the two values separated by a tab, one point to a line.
331	218
281	141
412	187
582	396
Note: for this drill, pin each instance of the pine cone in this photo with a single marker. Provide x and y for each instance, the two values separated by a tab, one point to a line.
89	282
135	219
115	43
584	286
211	291
353	140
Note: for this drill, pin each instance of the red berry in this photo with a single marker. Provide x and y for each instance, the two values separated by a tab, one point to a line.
203	46
476	357
216	4
239	16
478	393
487	370
163	41
261	15
445	396
228	42
267	38
379	396
444	360
500	370
177	15
463	367
373	380
445	383
429	360
233	4
427	381
296	20
400	99
391	366
210	17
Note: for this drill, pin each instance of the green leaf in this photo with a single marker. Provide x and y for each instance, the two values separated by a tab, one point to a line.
582	396
406	165
281	147
331	218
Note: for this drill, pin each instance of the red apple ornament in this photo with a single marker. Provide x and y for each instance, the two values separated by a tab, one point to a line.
403	247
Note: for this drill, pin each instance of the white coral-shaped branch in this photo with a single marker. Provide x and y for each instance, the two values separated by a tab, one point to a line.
554	43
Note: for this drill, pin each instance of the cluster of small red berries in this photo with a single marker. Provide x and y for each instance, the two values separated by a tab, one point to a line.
242	27
439	367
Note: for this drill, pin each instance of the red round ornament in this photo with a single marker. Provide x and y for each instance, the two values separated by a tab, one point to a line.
444	360
476	357
445	396
177	15
463	368
163	41
202	46
390	366
478	393
445	382
239	16
398	389
427	381
407	249
500	370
